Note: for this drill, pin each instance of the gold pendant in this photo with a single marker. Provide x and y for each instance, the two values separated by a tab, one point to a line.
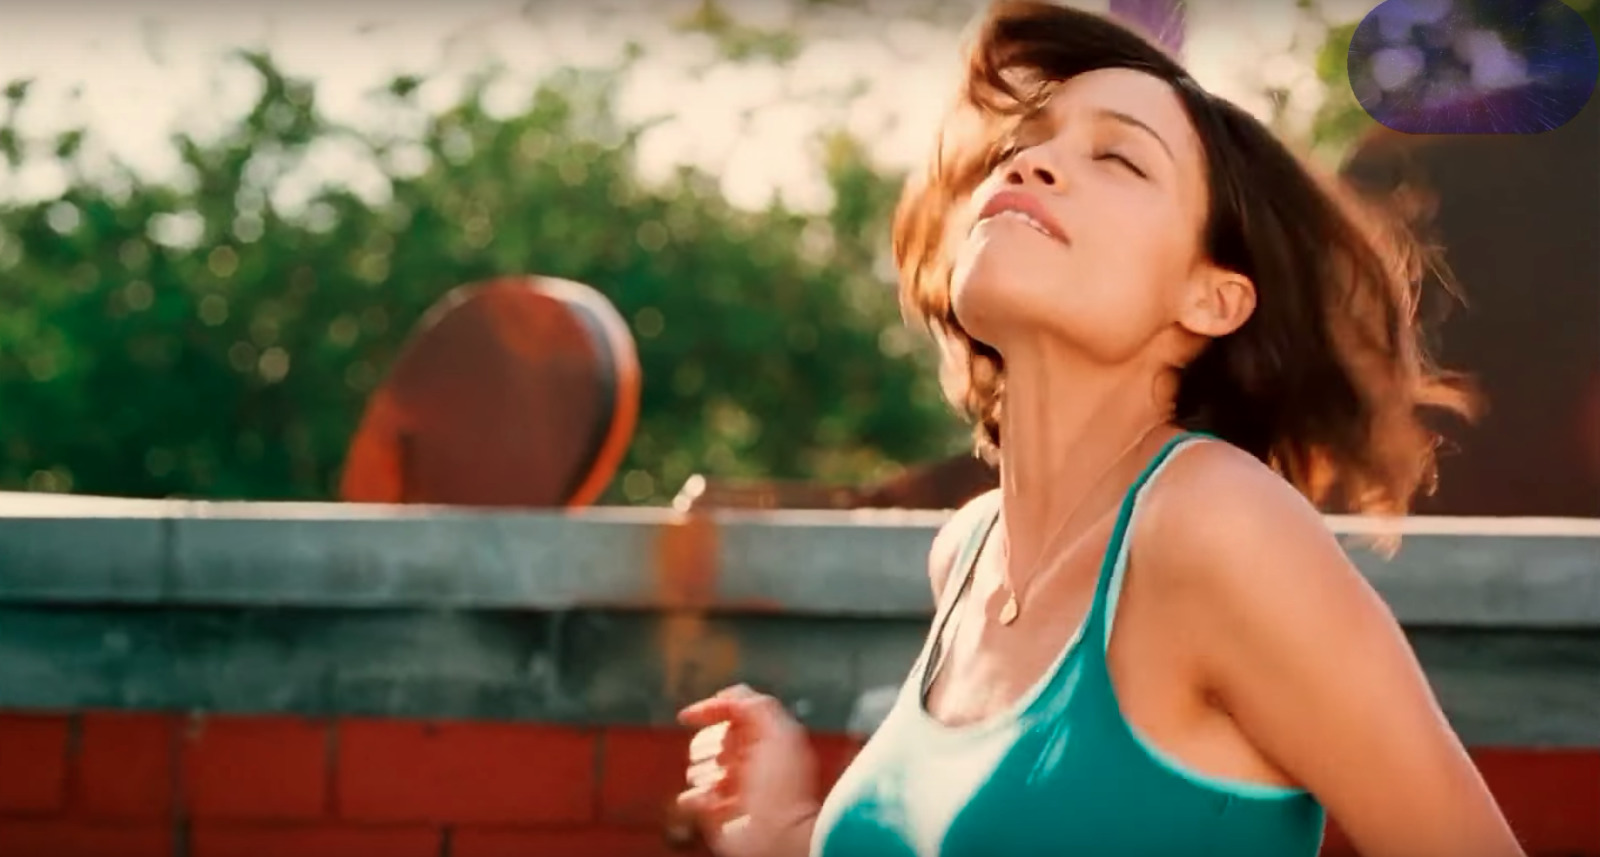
1008	613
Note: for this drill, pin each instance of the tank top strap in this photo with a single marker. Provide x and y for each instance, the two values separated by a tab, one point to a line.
956	584
1108	587
966	559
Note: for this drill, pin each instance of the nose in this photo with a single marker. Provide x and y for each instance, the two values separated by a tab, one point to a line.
1030	166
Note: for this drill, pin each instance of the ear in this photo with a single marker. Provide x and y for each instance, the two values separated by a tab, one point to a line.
1218	303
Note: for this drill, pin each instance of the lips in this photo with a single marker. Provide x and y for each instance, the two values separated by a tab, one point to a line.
1026	209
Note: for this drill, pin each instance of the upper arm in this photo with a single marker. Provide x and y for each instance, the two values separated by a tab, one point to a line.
952	537
1309	662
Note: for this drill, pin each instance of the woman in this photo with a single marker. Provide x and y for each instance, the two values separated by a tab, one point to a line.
1175	343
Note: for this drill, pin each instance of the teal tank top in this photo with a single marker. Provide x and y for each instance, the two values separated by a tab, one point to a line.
1059	773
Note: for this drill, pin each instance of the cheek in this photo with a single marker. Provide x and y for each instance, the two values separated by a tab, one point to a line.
1140	255
1140	228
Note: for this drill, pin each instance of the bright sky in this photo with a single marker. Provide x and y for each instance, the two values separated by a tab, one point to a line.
133	72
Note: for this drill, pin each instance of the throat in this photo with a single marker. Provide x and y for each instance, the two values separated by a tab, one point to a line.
1069	447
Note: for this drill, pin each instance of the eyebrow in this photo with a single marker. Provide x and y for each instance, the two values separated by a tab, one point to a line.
1118	116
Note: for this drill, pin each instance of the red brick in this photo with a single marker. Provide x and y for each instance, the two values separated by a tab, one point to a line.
33	757
256	768
485	773
52	838
595	842
641	773
1550	797
834	754
312	841
125	765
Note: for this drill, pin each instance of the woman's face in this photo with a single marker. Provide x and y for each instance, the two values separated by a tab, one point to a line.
1088	234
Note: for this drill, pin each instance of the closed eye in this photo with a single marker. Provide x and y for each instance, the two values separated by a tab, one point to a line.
1130	165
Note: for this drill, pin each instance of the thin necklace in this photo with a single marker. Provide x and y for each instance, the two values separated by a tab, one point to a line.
1013	605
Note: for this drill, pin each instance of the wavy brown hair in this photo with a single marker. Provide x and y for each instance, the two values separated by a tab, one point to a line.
1328	379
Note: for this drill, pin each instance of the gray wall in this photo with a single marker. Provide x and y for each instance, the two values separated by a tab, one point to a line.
622	615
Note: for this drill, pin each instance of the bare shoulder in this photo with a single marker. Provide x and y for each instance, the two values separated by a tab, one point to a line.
1231	533
953	536
1294	645
1215	496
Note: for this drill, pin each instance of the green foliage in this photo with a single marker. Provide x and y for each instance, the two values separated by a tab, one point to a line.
1589	10
203	338
737	41
1341	120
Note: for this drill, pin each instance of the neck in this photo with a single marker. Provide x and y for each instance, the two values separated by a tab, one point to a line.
1062	425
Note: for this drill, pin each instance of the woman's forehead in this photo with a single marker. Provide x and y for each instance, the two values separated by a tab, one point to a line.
1137	95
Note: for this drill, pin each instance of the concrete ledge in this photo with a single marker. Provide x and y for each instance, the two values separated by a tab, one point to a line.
619	616
1499	689
1523	573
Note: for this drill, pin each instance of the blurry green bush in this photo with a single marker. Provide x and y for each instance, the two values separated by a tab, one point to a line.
194	339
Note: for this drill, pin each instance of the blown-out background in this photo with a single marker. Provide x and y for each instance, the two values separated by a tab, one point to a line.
218	224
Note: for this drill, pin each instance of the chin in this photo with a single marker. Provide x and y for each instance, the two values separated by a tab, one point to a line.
992	300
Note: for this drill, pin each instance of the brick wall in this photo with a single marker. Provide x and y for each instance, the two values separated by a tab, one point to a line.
116	784
112	784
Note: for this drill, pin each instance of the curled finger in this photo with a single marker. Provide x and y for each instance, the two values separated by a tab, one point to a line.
707	774
708	743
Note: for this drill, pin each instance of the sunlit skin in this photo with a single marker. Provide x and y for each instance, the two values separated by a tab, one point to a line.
1246	645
